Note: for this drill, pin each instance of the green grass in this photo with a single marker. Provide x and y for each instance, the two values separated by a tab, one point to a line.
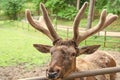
16	46
115	26
111	43
16	40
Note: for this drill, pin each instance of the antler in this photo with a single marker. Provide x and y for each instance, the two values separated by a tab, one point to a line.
48	23
105	20
77	21
103	23
51	33
36	25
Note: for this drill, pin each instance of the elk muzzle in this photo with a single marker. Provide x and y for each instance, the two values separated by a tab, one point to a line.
52	75
53	72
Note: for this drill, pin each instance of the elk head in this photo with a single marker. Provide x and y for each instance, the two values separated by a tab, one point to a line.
64	52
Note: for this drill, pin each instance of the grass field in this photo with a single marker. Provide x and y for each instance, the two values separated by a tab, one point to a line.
16	46
16	41
115	26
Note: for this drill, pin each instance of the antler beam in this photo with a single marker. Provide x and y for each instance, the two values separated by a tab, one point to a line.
36	25
103	23
105	20
51	33
77	21
48	23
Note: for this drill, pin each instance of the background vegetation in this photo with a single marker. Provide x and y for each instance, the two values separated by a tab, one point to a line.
65	9
17	36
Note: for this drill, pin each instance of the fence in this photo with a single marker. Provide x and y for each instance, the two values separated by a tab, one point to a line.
82	74
108	40
103	38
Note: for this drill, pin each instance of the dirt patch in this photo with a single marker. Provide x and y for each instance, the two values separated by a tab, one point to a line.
20	71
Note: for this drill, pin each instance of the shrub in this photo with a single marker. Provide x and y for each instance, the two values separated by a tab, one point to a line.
12	7
61	8
67	13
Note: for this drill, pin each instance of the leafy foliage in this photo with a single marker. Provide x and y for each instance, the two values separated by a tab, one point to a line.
100	4
12	7
62	8
37	3
65	9
113	6
67	13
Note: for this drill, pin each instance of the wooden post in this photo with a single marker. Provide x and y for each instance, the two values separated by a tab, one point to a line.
98	33
105	39
67	33
22	25
28	27
55	22
85	42
78	4
90	14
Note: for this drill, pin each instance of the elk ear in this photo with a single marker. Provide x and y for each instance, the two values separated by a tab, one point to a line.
42	48
88	49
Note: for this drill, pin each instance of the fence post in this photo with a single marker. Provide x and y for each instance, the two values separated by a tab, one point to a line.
22	25
28	27
16	24
105	39
67	33
98	33
55	21
85	42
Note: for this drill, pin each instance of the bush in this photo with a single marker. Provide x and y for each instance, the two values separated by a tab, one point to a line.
113	6
12	7
61	8
67	13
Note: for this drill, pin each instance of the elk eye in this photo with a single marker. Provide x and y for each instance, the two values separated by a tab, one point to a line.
73	54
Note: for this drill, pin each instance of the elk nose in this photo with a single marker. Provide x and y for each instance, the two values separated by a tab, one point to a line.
52	75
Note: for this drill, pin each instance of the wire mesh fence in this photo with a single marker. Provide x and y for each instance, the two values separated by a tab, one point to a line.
106	41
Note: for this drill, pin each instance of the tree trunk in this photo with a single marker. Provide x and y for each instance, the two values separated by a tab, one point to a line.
90	14
78	4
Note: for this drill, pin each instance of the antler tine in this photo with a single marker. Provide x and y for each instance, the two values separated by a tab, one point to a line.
103	23
48	23
95	29
110	18
37	26
77	21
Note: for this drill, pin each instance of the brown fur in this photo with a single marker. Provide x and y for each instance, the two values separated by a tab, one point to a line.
97	60
64	61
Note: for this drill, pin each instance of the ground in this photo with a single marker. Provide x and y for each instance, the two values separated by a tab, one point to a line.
20	71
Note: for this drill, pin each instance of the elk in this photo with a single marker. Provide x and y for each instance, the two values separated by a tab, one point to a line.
64	53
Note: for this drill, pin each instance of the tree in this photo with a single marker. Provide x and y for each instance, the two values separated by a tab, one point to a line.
37	3
12	7
100	4
78	4
62	8
90	14
113	6
65	9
